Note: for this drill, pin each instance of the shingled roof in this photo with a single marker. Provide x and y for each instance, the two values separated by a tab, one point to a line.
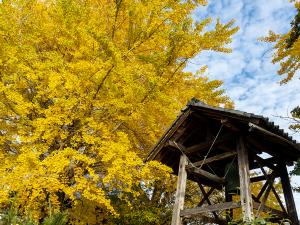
268	135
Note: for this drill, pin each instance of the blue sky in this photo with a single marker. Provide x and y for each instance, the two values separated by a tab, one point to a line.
249	77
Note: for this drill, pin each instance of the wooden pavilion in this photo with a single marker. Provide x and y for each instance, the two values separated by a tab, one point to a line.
219	148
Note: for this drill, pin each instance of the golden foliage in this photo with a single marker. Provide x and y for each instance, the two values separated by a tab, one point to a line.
287	48
87	86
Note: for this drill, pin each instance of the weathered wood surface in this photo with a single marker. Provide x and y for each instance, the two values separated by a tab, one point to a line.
204	174
213	159
246	198
180	191
288	195
210	208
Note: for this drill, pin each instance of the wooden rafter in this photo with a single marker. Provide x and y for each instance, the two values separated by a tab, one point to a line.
213	159
204	174
205	145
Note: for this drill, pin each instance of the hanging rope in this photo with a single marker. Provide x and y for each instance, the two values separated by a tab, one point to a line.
211	170
209	150
230	166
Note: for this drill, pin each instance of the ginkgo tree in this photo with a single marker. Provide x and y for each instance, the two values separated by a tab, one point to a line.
287	47
86	88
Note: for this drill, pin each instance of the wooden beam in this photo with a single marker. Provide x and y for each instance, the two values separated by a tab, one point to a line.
205	195
204	174
264	148
213	159
266	162
179	146
261	178
266	184
205	145
246	199
161	143
209	208
204	199
252	125
259	161
288	195
229	212
230	125
180	191
265	197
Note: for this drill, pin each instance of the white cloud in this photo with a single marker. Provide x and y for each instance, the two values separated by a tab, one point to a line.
250	77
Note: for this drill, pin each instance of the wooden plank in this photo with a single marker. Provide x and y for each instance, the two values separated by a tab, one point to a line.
204	174
213	159
246	199
288	195
180	191
264	208
209	208
205	145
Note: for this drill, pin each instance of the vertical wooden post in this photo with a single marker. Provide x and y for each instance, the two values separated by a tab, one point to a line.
288	194
180	191
245	192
